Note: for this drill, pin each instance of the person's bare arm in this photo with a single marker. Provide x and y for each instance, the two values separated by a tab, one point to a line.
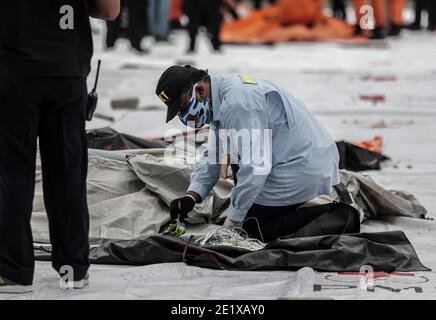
104	9
231	4
232	8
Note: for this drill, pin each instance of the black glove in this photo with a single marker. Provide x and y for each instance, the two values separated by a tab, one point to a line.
181	206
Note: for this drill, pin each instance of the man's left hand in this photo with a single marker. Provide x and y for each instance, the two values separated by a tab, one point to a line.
232	224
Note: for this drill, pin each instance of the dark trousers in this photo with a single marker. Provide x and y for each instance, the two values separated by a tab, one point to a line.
131	23
419	6
267	223
52	109
204	12
258	3
430	6
339	9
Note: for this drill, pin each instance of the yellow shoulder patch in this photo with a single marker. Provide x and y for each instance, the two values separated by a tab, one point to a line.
247	79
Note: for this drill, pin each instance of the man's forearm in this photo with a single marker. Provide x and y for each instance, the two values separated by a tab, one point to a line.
104	9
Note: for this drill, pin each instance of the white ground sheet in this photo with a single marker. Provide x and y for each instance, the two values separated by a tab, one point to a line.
330	78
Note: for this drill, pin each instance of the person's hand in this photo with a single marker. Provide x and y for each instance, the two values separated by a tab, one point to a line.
181	207
232	224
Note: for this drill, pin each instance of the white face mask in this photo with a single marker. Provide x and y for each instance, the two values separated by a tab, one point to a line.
197	113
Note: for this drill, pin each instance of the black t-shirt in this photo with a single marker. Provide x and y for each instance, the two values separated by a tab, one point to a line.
45	38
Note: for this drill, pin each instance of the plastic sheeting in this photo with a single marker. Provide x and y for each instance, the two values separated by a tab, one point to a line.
128	197
109	139
289	20
355	158
373	201
384	251
129	193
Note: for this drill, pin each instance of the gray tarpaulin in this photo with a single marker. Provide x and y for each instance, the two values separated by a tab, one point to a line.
383	251
374	200
129	193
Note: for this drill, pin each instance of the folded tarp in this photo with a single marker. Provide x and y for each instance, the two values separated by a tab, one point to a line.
326	244
128	195
329	243
373	201
352	157
355	158
383	251
109	139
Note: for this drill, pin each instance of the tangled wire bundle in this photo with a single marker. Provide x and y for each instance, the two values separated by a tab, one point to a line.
234	237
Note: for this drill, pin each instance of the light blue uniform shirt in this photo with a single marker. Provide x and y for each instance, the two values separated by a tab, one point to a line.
301	162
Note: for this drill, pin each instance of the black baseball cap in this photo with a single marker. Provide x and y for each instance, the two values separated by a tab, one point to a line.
172	83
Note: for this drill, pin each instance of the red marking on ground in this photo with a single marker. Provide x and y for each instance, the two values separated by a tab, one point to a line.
373	98
375	275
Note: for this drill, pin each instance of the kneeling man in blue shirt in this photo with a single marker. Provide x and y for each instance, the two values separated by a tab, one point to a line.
281	155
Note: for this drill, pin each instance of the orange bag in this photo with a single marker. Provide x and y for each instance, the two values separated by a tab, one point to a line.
287	21
371	145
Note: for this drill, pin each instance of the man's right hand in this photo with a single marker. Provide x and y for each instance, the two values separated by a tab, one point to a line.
181	207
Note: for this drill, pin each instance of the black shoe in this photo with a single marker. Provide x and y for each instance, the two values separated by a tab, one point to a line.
413	26
378	33
190	51
357	30
140	50
7	286
431	28
161	39
80	284
394	30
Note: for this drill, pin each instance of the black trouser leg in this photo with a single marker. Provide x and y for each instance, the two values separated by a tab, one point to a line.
137	21
419	6
275	222
18	135
290	221
339	9
194	14
112	33
214	23
64	160
257	4
431	7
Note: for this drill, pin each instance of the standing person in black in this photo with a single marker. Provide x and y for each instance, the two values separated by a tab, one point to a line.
204	12
257	4
45	52
420	6
131	23
339	9
431	7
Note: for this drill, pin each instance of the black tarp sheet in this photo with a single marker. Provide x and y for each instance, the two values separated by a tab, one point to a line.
329	243
384	251
355	158
352	157
109	139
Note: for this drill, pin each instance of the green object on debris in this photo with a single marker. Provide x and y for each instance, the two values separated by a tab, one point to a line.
176	229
